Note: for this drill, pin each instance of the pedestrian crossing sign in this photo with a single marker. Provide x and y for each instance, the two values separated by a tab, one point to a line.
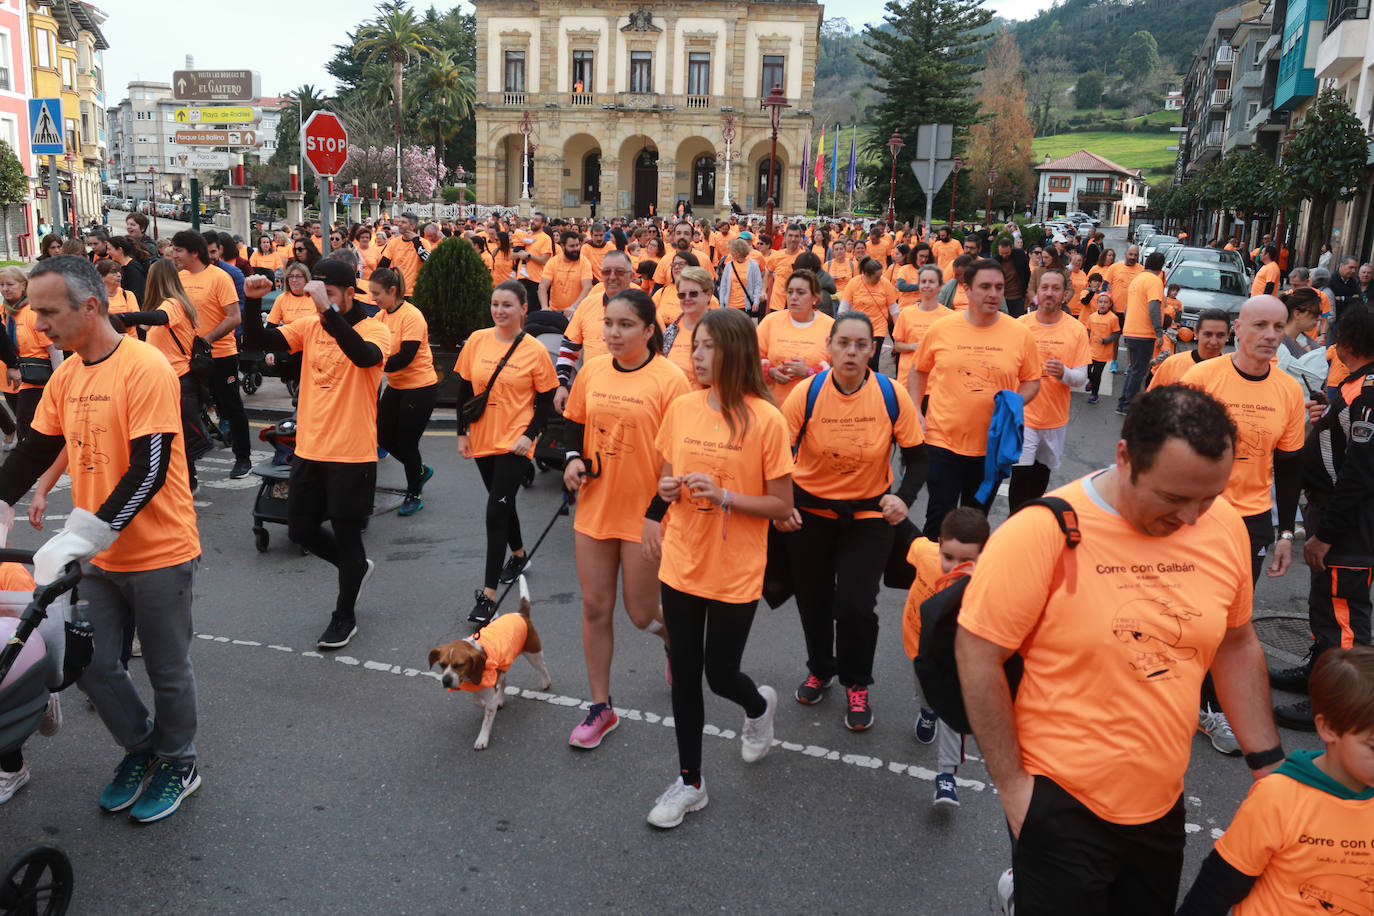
45	125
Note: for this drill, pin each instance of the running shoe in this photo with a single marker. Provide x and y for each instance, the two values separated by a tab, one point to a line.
195	486
859	716
812	690
483	610
1006	893
1297	716
425	475
1212	723
925	725
946	795
1092	399
241	468
601	720
409	506
1294	679
338	634
1112	368
677	801
513	568
129	779
52	717
1121	411
528	480
13	782
756	737
136	647
167	789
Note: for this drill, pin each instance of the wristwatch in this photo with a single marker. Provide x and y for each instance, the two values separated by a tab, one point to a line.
1285	535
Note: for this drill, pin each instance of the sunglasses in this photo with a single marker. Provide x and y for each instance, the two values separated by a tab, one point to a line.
299	248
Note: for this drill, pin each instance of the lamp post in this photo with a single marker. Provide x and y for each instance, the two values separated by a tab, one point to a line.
462	177
894	143
953	189
526	129
152	196
775	103
992	176
728	157
71	181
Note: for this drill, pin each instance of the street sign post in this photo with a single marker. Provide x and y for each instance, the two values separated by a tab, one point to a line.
325	143
45	139
216	85
200	159
238	114
933	164
217	138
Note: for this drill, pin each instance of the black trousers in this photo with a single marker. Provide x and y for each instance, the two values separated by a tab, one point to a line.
1069	860
24	403
1095	375
502	475
837	567
877	353
1261	531
706	636
341	493
224	390
1338	605
402	415
951	480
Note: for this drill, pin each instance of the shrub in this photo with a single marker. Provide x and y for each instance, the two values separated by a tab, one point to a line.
454	293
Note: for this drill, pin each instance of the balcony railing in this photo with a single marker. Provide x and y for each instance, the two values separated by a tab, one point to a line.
1100	194
582	100
1226	55
1340	10
1220	97
5	78
698	101
513	98
1213	137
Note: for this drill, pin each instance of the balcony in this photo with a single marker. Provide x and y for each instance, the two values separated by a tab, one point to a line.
516	99
1098	195
582	100
1226	56
1341	11
1219	98
698	101
1342	50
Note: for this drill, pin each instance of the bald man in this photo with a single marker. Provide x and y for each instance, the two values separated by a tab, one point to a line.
1269	409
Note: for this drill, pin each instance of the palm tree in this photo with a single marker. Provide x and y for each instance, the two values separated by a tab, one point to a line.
395	37
449	99
302	101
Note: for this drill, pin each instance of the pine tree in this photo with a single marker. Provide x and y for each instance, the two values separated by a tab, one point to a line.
923	55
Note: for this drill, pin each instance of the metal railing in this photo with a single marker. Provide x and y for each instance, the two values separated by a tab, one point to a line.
1220	97
5	78
1213	137
1339	11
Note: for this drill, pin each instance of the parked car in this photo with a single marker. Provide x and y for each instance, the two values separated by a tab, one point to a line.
1144	231
1193	253
1206	285
1154	243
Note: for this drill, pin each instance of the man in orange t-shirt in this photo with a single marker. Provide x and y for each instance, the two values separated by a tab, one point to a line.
780	268
404	252
585	337
114	408
1143	326
1268	278
1119	277
538	249
1115	635
334	473
567	277
945	249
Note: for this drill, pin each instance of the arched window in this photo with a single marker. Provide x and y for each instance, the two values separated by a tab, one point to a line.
704	180
761	196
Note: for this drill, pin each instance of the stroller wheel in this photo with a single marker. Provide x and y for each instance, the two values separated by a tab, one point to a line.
292	386
543	464
38	879
251	382
261	539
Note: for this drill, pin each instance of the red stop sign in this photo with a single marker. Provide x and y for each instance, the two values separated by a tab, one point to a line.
326	143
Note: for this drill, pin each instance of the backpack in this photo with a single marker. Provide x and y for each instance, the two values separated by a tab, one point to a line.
935	664
814	391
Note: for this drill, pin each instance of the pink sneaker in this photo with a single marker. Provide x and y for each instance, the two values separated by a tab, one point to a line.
601	720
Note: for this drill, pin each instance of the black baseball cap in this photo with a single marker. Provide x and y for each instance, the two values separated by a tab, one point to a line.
334	272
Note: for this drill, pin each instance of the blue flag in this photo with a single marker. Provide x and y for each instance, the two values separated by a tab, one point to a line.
806	161
853	160
835	161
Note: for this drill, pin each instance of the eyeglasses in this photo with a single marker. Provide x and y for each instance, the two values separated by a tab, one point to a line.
692	295
615	271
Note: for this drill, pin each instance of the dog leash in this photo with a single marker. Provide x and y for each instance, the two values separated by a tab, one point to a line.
564	508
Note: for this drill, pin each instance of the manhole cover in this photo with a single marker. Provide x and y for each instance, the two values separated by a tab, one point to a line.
1287	635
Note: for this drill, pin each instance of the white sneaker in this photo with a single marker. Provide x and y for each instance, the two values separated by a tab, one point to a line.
675	803
1006	894
1213	723
136	651
13	782
52	717
756	737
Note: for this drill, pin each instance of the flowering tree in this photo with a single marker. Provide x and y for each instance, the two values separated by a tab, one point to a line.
376	164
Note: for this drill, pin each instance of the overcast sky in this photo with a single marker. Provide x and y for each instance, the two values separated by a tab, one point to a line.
288	43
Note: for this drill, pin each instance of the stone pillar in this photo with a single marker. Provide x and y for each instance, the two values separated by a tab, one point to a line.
374	208
609	204
667	186
241	210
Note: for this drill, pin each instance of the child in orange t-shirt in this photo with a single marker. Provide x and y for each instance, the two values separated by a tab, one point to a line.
1300	839
1171	305
1104	329
1164	344
963	533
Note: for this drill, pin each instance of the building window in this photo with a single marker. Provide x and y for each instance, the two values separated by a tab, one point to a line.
582	71
641	71
1099	185
1251	109
85	119
772	73
1059	182
515	71
42	47
73	141
704	180
698	73
68	73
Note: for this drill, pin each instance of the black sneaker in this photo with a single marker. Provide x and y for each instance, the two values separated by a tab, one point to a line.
484	610
859	716
1297	716
513	568
241	468
812	690
1294	679
338	634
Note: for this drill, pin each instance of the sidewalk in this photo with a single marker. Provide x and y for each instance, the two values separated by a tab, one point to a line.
271	403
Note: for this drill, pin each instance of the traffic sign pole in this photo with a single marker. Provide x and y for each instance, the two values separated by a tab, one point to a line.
326	221
54	197
195	204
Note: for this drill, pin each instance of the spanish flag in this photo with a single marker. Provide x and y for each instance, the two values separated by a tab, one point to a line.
820	161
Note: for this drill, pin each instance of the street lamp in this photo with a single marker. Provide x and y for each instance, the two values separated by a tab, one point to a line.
152	196
894	143
526	129
992	177
462	177
953	188
730	154
775	103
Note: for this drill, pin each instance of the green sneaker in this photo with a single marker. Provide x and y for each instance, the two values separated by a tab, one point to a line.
424	478
129	779
166	789
410	505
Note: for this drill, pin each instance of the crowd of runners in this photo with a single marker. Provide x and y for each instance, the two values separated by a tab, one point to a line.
744	416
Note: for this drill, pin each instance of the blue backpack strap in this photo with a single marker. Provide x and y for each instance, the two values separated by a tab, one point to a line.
815	384
889	396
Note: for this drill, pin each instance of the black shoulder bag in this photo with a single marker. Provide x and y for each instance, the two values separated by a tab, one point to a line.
475	406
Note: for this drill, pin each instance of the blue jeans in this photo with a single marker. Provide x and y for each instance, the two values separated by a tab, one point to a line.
1140	350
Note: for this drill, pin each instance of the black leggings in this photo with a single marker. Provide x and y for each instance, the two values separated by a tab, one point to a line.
24	403
402	415
709	636
12	761
344	549
1095	375
224	391
502	474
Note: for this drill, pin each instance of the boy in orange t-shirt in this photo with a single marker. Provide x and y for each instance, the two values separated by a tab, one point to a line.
1300	842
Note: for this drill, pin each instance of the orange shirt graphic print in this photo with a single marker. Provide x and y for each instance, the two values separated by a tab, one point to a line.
1152	631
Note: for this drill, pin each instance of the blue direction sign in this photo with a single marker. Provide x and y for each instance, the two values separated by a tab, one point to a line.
45	127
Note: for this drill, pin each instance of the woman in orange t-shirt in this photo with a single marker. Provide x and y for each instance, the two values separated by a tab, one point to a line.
842	267
726	472
412	386
694	296
33	347
368	255
915	320
875	297
519	404
498	246
792	341
612	416
121	300
666	301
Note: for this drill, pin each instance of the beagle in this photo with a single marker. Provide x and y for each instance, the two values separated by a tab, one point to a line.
478	663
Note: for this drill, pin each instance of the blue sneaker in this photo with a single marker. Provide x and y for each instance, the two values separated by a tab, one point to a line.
129	779
410	505
1112	368
925	726
424	478
946	796
169	785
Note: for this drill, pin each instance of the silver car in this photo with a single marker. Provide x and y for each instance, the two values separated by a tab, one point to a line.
1207	285
1193	253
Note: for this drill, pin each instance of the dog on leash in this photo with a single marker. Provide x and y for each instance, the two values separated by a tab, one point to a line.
478	663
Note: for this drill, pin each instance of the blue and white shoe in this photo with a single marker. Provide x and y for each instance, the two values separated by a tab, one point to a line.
946	795
168	787
129	779
925	726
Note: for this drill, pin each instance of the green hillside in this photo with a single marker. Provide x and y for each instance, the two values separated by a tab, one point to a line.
1132	150
1089	33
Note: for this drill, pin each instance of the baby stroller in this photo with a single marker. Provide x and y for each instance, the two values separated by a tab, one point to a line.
274	480
37	879
548	328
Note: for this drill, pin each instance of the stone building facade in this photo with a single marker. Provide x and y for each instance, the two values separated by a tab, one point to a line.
629	107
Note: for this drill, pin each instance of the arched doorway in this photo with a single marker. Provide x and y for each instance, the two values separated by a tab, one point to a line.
646	181
704	181
761	192
591	178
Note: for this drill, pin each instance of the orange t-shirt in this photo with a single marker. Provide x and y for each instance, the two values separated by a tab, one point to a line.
1079	281
124	301
1267	274
1147	287
503	641
1308	848
1171	307
879	248
593	256
179	324
289	307
536	243
873	299
1174	368
212	292
738	273
510	407
337	409
404	258
33	343
408	323
1336	373
680	353
1269	416
1063	339
1116	635
967	366
621	412
1101	325
945	253
99	409
706	552
587	326
502	268
911	326
781	340
846	453
842	271
924	557
907	273
667	304
781	264
959	301
565	280
367	262
270	262
1120	277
